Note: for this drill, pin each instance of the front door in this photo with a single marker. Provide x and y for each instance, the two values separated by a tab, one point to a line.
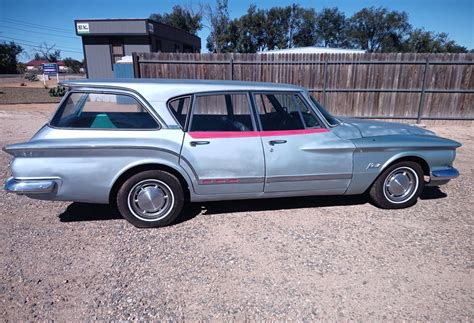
222	146
301	154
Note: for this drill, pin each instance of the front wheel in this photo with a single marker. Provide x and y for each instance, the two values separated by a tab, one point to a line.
399	186
150	199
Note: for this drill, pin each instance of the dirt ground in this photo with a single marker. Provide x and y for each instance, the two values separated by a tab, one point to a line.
336	258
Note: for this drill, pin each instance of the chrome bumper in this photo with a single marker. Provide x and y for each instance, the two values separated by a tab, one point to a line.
30	186
442	176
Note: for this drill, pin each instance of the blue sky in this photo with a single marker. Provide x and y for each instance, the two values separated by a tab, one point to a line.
454	17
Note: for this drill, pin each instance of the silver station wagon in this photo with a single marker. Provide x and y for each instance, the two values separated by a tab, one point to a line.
147	146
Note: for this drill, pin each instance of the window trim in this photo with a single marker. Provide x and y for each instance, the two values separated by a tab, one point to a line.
98	91
245	92
168	106
303	99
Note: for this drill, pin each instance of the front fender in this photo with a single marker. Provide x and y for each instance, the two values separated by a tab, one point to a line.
374	154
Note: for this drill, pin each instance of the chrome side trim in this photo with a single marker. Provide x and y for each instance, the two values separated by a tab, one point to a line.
277	179
245	180
274	179
30	186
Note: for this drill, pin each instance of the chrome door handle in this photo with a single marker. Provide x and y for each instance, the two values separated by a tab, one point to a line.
277	142
195	143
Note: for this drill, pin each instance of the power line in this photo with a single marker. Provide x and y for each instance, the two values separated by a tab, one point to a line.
38	32
34	43
34	25
38	48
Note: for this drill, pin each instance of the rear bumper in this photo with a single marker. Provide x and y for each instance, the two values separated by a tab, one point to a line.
442	176
31	186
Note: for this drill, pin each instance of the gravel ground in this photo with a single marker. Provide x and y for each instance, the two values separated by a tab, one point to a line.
13	95
336	258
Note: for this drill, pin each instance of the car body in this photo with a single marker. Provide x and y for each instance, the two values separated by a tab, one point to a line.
221	140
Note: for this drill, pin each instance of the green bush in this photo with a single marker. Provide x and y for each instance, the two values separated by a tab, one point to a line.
58	91
32	77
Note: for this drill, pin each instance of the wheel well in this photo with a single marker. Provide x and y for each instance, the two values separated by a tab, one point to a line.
424	165
141	168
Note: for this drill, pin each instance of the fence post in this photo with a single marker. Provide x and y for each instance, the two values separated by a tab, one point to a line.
136	66
231	65
423	88
325	80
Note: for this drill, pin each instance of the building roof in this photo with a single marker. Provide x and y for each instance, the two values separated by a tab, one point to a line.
313	50
170	88
39	62
128	26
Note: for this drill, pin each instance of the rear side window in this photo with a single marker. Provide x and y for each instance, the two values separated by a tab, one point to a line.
180	107
102	111
222	112
284	111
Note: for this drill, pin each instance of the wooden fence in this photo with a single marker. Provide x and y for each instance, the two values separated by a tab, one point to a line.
388	86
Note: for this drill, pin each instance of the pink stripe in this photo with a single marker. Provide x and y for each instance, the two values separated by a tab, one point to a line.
244	134
223	134
290	132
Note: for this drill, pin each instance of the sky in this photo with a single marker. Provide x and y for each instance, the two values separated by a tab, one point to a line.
31	23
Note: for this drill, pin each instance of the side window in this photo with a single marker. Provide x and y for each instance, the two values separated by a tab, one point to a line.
180	108
102	111
222	112
284	111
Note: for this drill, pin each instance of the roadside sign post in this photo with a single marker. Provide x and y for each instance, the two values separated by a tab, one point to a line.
50	69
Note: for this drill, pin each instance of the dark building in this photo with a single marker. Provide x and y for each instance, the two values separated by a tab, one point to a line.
105	41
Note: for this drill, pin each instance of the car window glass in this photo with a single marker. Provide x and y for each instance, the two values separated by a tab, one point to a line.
284	111
180	107
221	112
102	111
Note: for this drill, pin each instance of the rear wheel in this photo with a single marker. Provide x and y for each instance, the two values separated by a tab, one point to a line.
399	186
150	199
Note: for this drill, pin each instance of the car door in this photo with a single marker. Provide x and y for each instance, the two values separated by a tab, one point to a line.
301	153
222	146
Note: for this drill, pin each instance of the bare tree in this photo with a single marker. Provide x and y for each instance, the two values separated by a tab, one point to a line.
49	52
218	18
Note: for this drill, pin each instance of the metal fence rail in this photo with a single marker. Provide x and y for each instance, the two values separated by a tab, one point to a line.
140	62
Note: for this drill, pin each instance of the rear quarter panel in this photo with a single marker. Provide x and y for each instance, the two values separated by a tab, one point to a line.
89	162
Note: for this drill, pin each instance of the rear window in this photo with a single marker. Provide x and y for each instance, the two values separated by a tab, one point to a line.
102	111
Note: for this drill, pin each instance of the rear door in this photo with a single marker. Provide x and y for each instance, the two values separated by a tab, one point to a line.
222	146
301	153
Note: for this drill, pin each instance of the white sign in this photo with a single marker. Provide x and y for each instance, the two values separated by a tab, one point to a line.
82	27
151	28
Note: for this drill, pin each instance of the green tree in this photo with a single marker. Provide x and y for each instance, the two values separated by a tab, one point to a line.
421	41
247	34
219	20
378	30
290	26
8	57
277	27
182	18
73	64
306	32
331	28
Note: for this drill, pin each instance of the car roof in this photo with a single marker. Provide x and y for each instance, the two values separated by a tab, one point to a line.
163	89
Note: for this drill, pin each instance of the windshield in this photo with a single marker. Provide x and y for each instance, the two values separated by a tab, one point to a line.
333	121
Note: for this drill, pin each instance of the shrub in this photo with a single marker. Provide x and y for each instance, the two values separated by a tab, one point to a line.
32	77
58	91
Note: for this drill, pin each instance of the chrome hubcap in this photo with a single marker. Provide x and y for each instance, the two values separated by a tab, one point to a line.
400	185
150	200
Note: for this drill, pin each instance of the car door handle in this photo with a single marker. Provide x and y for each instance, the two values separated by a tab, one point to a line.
277	142
195	143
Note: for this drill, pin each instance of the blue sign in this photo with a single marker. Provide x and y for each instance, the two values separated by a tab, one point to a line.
50	68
